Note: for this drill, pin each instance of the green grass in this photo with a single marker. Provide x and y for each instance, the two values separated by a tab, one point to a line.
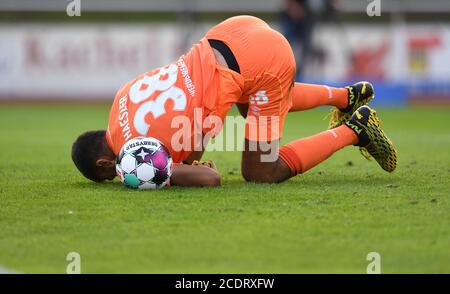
325	221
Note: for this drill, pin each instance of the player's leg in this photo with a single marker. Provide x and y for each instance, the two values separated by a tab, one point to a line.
363	129
296	157
346	100
303	154
291	159
308	96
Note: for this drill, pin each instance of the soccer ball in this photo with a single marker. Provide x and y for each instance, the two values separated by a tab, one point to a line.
144	163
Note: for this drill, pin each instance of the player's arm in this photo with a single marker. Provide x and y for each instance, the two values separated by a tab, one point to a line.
258	167
198	174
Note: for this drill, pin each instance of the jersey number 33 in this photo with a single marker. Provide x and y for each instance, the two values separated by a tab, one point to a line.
144	88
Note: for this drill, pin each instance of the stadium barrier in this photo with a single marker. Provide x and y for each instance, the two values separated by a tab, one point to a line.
90	61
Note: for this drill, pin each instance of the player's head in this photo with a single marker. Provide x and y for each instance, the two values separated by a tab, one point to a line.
92	156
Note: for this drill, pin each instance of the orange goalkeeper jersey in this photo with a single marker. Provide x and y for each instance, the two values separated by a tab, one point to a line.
163	103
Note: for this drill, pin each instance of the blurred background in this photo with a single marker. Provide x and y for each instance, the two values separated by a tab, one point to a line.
86	49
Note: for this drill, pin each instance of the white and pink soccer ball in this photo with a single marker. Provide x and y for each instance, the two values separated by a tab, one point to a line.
144	163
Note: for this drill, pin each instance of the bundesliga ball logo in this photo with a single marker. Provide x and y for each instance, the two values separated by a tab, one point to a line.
144	163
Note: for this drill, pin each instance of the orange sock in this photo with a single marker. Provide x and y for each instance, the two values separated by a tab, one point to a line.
303	154
307	96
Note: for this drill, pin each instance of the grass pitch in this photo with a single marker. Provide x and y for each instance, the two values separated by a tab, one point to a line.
326	220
